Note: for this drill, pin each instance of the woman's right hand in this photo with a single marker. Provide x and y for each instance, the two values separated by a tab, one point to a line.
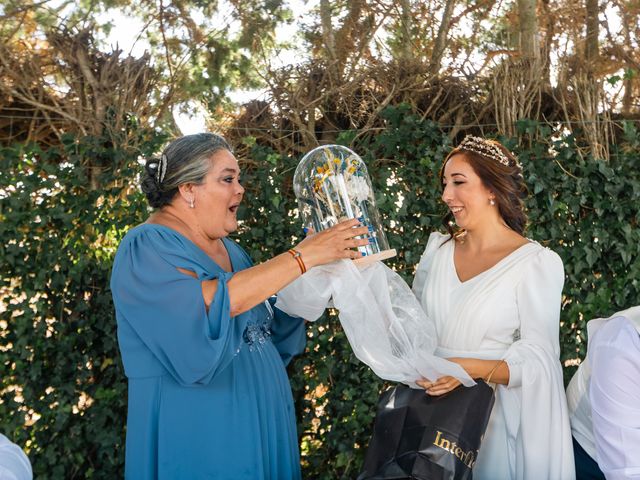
333	244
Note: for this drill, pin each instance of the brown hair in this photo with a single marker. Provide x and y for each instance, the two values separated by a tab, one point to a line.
505	181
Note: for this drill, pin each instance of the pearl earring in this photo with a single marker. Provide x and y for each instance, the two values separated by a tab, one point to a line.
491	201
192	204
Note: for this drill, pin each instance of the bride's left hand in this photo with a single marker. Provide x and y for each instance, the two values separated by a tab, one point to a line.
440	386
446	384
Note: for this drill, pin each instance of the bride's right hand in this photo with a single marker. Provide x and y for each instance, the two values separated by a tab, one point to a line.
333	244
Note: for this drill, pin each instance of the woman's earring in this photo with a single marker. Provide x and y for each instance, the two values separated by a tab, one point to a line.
492	201
192	204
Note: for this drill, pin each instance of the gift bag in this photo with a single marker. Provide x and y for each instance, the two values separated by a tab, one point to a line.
417	436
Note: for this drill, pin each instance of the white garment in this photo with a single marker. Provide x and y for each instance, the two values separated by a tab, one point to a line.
510	312
604	395
14	464
578	398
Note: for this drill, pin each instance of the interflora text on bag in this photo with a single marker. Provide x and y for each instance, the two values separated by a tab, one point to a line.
468	458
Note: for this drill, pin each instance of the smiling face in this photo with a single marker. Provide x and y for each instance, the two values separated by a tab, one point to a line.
217	199
465	194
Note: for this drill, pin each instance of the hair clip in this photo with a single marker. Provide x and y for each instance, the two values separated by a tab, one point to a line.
162	169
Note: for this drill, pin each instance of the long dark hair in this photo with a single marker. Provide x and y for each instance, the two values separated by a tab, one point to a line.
505	181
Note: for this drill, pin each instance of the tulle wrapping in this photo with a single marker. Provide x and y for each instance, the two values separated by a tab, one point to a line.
386	327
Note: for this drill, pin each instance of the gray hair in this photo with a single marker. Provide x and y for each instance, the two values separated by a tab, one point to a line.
185	160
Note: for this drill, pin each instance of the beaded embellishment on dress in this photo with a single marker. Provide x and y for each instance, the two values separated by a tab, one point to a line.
257	334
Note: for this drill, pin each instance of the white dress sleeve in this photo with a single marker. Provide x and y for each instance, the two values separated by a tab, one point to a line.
543	443
614	353
539	295
435	240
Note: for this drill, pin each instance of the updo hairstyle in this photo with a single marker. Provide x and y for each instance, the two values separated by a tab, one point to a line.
500	172
184	160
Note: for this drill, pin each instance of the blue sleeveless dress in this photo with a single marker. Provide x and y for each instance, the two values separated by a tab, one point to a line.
209	396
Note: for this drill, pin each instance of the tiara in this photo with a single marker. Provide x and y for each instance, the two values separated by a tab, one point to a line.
486	148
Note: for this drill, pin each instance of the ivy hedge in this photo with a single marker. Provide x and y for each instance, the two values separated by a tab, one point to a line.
62	386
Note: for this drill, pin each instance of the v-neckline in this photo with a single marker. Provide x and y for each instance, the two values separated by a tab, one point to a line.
200	250
483	272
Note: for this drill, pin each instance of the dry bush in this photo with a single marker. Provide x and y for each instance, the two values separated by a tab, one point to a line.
311	104
64	84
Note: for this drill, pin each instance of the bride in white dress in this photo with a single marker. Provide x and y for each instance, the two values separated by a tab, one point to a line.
495	298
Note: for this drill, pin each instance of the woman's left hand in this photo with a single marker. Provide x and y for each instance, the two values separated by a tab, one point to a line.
440	386
446	384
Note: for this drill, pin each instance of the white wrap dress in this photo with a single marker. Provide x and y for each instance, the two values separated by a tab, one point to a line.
510	311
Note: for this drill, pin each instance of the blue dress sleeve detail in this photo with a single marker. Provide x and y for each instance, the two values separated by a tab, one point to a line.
288	333
162	309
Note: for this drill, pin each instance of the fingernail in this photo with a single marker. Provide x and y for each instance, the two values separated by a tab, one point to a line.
305	230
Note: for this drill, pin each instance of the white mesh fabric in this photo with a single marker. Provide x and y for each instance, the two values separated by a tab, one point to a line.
386	327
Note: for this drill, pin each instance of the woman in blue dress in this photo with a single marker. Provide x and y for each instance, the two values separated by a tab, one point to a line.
203	347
